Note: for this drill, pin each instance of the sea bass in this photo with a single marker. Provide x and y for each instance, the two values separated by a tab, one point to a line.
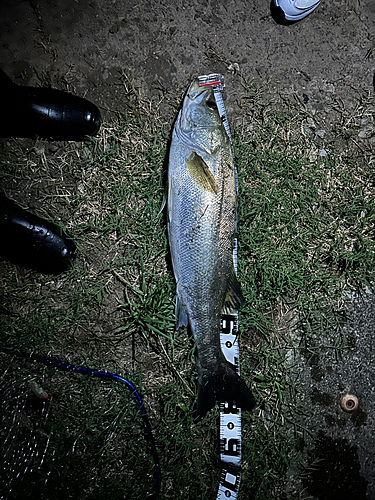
201	228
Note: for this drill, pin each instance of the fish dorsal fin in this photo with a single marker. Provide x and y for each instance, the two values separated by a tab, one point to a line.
200	173
234	298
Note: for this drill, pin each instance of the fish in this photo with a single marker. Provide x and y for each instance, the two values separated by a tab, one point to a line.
201	223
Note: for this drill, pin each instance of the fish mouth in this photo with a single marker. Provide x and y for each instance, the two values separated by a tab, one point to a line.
196	91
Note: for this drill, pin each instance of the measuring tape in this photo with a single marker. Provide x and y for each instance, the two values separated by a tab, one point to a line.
230	416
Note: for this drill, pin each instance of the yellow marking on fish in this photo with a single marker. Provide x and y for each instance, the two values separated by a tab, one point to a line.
200	173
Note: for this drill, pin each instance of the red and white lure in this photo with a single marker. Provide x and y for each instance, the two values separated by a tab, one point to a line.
38	390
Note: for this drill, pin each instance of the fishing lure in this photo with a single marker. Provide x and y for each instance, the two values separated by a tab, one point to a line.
38	391
63	365
32	242
43	112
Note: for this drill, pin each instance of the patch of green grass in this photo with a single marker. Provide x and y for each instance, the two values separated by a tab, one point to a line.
305	229
305	245
149	309
190	448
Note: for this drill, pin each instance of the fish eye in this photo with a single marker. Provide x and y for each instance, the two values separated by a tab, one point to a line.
211	104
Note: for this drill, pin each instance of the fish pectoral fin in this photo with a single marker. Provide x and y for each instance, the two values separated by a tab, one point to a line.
234	298
200	173
181	314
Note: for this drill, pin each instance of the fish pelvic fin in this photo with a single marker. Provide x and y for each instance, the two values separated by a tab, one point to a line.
166	199
224	385
234	298
163	204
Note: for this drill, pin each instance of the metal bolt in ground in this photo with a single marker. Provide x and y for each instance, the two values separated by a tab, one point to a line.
349	402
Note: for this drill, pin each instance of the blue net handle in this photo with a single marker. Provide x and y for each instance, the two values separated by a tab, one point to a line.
64	365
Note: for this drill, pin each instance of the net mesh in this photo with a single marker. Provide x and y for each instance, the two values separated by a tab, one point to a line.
85	441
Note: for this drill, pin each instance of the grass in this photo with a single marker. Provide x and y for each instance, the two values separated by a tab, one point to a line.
301	238
306	223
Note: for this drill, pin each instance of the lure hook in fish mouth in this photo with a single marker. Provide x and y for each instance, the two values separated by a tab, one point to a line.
196	91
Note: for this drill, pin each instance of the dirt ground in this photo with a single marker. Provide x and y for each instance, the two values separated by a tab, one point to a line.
85	46
325	64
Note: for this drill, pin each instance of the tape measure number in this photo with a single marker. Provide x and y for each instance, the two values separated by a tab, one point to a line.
230	416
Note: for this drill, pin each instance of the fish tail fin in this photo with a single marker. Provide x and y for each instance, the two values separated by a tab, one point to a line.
222	385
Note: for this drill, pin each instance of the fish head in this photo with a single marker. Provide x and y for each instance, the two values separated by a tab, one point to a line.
199	110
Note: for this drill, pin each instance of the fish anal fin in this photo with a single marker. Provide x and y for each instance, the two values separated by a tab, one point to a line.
181	314
200	173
